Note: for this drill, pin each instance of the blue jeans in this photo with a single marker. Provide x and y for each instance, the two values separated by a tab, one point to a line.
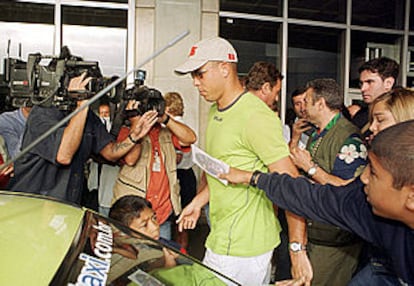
374	273
165	230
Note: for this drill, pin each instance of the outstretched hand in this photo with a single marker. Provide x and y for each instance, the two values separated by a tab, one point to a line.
188	217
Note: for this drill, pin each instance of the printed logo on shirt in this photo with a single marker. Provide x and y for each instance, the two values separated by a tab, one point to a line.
216	118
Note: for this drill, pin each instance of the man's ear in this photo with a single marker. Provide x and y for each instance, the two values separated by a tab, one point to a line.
389	82
225	69
321	103
266	88
409	203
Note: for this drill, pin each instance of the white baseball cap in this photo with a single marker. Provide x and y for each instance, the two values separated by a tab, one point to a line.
213	49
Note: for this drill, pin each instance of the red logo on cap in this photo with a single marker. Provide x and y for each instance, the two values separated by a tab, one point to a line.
231	57
193	51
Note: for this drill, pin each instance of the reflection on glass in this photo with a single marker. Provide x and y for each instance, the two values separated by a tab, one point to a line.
366	46
253	40
106	45
32	37
313	52
379	13
16	11
412	16
107	253
263	7
87	16
319	10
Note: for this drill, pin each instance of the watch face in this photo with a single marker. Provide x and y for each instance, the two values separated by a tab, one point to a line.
295	246
312	171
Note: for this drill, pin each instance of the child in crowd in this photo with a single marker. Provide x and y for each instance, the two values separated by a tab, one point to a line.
136	213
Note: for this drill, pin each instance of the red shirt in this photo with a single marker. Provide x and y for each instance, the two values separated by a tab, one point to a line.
158	189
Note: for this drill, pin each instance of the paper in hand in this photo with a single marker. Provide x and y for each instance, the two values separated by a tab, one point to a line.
209	164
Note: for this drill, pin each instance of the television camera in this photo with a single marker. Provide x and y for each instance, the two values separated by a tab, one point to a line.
148	98
32	83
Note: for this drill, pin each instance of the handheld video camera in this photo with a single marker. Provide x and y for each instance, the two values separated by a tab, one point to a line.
31	83
148	98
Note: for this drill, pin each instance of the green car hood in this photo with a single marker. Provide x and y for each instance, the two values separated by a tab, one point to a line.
35	235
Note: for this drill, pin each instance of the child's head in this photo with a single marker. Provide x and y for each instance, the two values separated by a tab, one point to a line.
136	213
389	180
391	108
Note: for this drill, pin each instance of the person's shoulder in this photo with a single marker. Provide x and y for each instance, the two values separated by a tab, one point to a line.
9	114
254	104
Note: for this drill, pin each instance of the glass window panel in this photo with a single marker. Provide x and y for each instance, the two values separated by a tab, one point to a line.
85	16
412	15
379	13
97	35
262	7
320	10
368	45
254	40
13	11
106	45
313	52
33	38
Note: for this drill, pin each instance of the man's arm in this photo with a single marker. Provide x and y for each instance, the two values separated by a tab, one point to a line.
343	206
115	150
301	266
190	214
185	135
72	135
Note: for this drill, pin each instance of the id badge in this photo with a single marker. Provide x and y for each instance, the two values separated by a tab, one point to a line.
156	166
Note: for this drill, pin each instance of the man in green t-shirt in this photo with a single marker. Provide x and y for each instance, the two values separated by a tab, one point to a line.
244	133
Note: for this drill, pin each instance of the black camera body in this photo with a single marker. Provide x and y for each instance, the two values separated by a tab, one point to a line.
148	99
31	83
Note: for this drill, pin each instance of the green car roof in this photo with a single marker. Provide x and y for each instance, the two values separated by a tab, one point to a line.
35	235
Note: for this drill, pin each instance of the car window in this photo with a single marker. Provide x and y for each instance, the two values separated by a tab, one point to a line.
104	252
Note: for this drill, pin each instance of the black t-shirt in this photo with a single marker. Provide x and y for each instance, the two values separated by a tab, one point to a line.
38	172
361	117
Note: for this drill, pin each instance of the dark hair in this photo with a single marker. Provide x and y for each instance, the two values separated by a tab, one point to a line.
260	73
297	92
395	150
385	67
128	208
328	89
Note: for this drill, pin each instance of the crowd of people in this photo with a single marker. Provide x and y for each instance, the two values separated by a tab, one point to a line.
326	199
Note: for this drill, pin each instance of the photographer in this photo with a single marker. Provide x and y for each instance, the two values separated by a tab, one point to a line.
150	169
55	166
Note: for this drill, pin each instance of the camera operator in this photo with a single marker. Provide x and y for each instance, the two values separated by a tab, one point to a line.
150	169
54	167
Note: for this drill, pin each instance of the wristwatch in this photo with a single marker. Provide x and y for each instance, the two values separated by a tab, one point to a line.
296	246
312	170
